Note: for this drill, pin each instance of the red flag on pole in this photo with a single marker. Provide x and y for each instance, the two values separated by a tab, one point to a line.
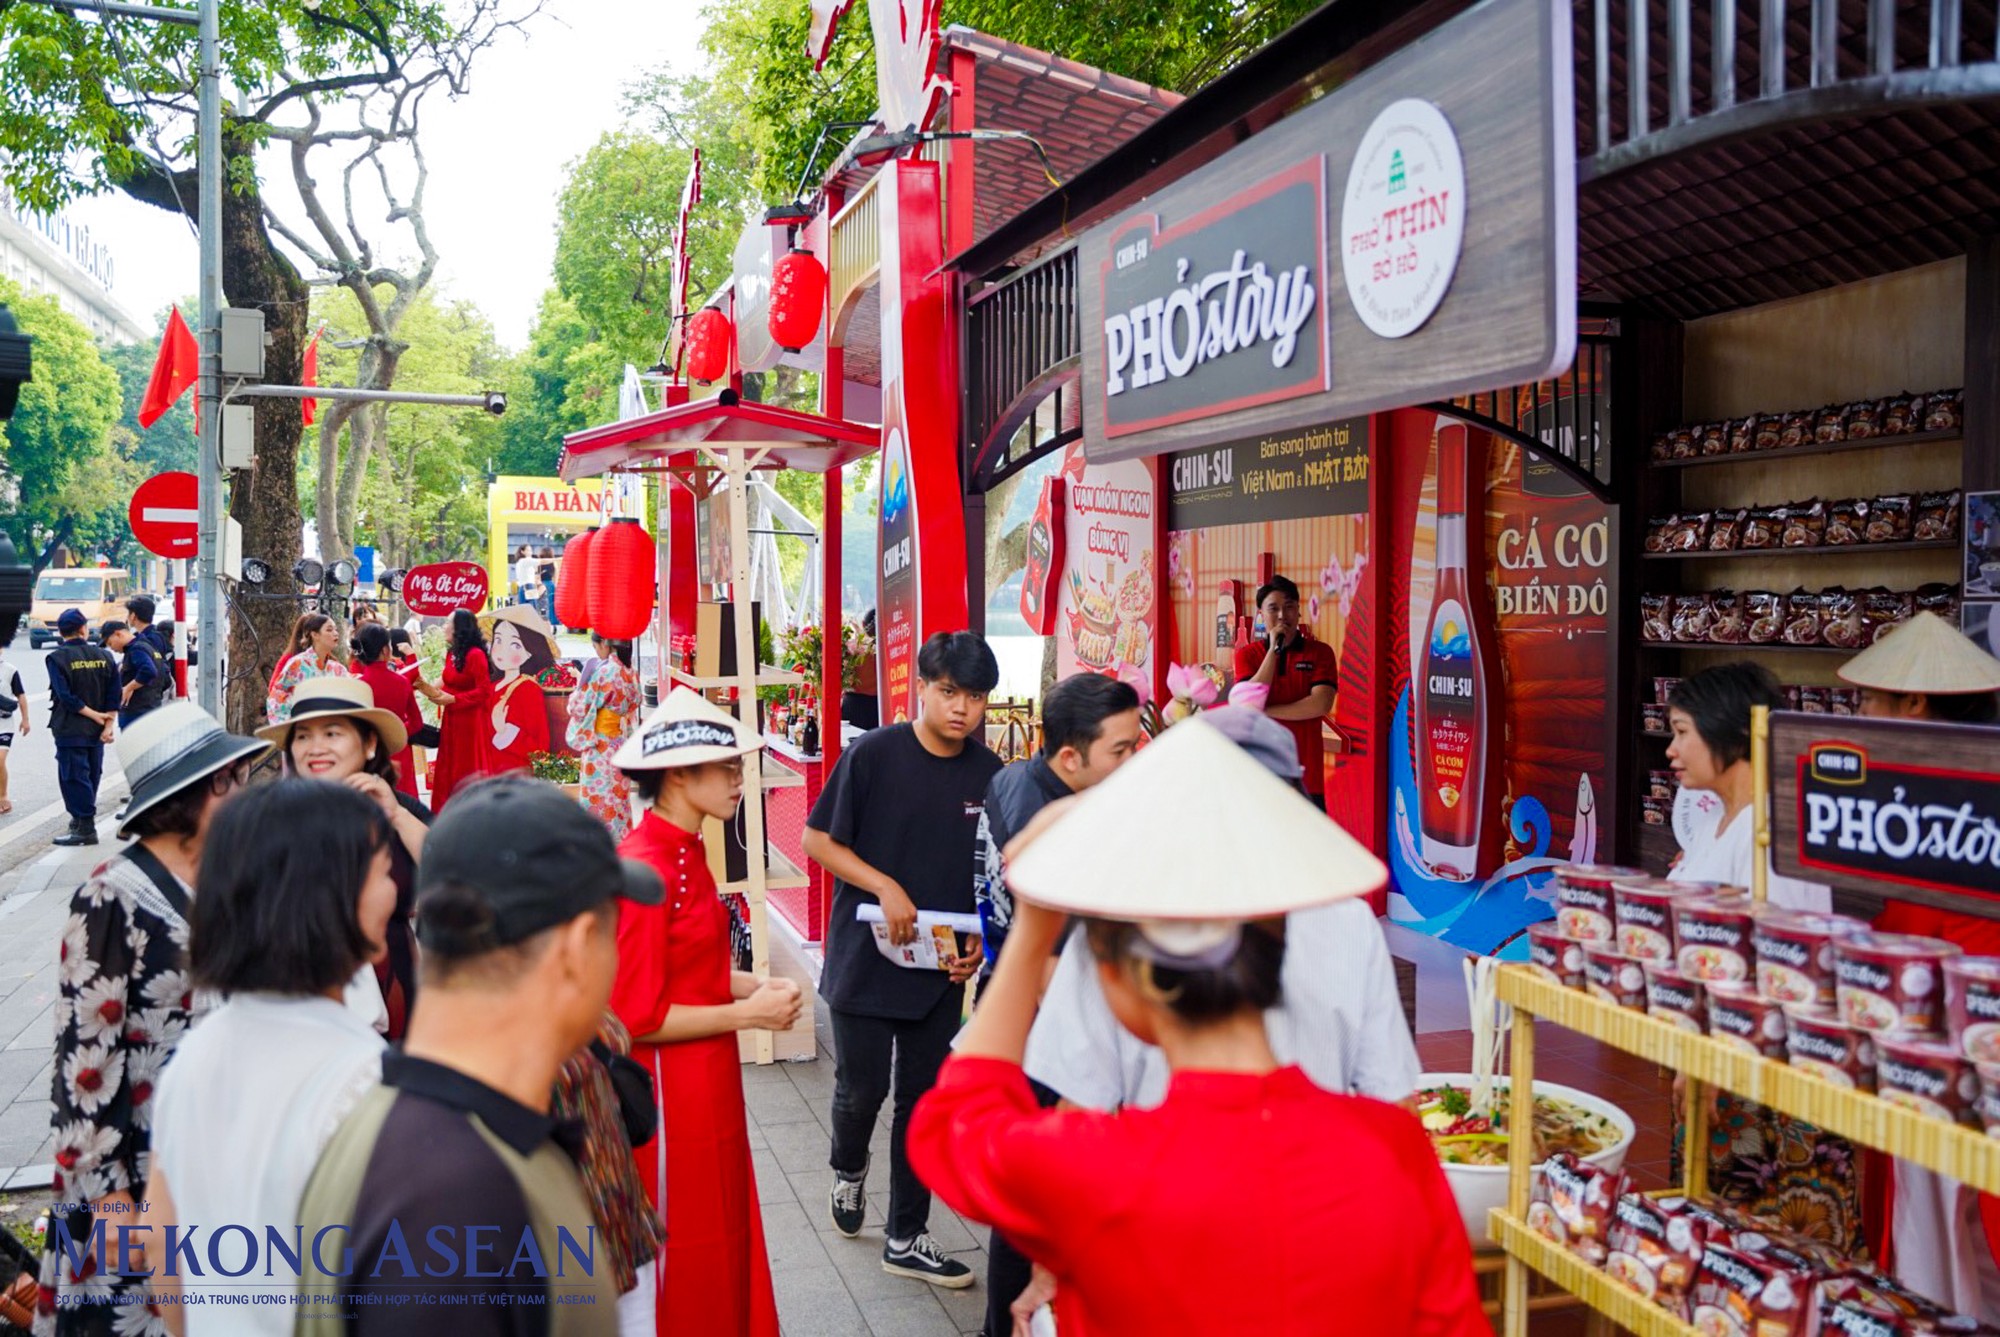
174	370
309	375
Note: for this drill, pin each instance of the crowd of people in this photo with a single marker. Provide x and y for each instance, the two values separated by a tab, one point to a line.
495	1051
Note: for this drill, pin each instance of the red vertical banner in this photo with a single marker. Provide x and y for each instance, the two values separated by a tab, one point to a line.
921	519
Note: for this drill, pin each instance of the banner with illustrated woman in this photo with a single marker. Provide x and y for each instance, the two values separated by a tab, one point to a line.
521	644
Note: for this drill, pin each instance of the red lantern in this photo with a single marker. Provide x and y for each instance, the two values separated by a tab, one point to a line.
573	582
798	299
620	577
709	336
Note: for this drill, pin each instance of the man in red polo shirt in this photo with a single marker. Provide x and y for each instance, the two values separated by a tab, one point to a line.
1301	673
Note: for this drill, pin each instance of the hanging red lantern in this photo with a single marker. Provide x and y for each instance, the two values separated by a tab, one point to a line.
620	577
573	582
709	337
798	299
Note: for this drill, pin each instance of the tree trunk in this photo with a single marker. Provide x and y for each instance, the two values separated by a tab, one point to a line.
327	508
370	429
264	498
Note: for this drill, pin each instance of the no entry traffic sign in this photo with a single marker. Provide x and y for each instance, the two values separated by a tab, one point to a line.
165	514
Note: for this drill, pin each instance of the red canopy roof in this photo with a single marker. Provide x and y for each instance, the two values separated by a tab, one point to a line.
672	438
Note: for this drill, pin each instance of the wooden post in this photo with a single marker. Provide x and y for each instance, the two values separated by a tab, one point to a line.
1520	1168
747	668
1760	801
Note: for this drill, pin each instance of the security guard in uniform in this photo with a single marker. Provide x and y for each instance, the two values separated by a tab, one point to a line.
83	683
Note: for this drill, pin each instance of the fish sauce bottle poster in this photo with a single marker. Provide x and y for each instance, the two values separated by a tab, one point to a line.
1499	655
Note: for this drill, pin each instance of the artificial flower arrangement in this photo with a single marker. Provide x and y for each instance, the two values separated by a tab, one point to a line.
555	767
1193	688
802	648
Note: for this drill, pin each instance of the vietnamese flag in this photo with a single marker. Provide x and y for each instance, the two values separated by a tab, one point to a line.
174	370
309	375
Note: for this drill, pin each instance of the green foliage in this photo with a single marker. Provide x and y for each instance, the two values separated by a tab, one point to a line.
170	442
59	444
81	102
567	380
614	245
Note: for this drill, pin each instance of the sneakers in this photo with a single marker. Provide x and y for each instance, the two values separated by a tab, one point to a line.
81	832
848	1203
921	1258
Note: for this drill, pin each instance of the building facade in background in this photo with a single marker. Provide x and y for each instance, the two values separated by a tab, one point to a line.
55	254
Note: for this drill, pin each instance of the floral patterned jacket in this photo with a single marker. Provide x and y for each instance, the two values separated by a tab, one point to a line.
124	1001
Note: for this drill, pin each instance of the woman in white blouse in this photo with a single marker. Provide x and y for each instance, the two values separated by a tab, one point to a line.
294	900
1760	1160
1709	714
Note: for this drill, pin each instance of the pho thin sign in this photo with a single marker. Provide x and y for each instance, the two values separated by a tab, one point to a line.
1887	805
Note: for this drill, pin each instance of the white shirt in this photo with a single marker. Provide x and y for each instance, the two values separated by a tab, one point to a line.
1724	855
1340	1019
527	571
244	1108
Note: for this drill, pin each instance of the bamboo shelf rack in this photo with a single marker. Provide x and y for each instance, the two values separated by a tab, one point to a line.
1965	1154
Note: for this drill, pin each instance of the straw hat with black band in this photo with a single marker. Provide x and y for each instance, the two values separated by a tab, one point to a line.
172	748
339	698
1170	840
686	730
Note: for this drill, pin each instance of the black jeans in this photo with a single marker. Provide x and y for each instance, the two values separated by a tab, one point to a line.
79	767
868	1053
1008	1270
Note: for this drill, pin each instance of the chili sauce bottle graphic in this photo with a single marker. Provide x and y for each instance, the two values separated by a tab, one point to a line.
1451	707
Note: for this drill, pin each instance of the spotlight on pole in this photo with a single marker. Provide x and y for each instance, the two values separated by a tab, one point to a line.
256	571
307	571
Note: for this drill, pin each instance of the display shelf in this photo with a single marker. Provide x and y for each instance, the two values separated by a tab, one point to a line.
779	777
1811	550
1622	1305
1815	448
1752	647
767	676
1965	1154
782	874
790	751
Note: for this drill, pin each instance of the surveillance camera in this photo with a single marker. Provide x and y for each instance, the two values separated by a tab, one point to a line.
496	403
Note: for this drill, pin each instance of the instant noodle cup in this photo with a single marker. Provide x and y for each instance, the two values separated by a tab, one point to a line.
1928	1074
1583	899
1819	1042
1745	1020
1712	936
1972	1005
1643	915
1613	976
1891	981
1554	956
1988	1106
1794	954
1673	997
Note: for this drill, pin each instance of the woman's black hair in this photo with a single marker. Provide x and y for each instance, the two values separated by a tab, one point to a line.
961	657
465	637
178	816
1199	996
1963	707
276	907
541	651
371	643
1718	701
647	784
622	652
375	758
398	636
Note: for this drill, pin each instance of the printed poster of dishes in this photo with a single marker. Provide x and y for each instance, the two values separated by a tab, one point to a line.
1110	607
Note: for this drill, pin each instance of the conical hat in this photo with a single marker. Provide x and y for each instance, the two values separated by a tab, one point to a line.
1193	828
1925	654
525	618
687	730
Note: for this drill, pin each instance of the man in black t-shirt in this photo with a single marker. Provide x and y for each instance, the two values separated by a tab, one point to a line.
897	825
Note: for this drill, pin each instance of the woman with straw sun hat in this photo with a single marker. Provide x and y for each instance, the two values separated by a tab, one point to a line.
337	732
1180	1218
1940	1234
683	1003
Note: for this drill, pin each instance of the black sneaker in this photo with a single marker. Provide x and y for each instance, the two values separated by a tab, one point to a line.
79	833
921	1258
848	1203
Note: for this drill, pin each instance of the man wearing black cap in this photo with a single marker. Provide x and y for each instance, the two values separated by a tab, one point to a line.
83	684
450	1183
